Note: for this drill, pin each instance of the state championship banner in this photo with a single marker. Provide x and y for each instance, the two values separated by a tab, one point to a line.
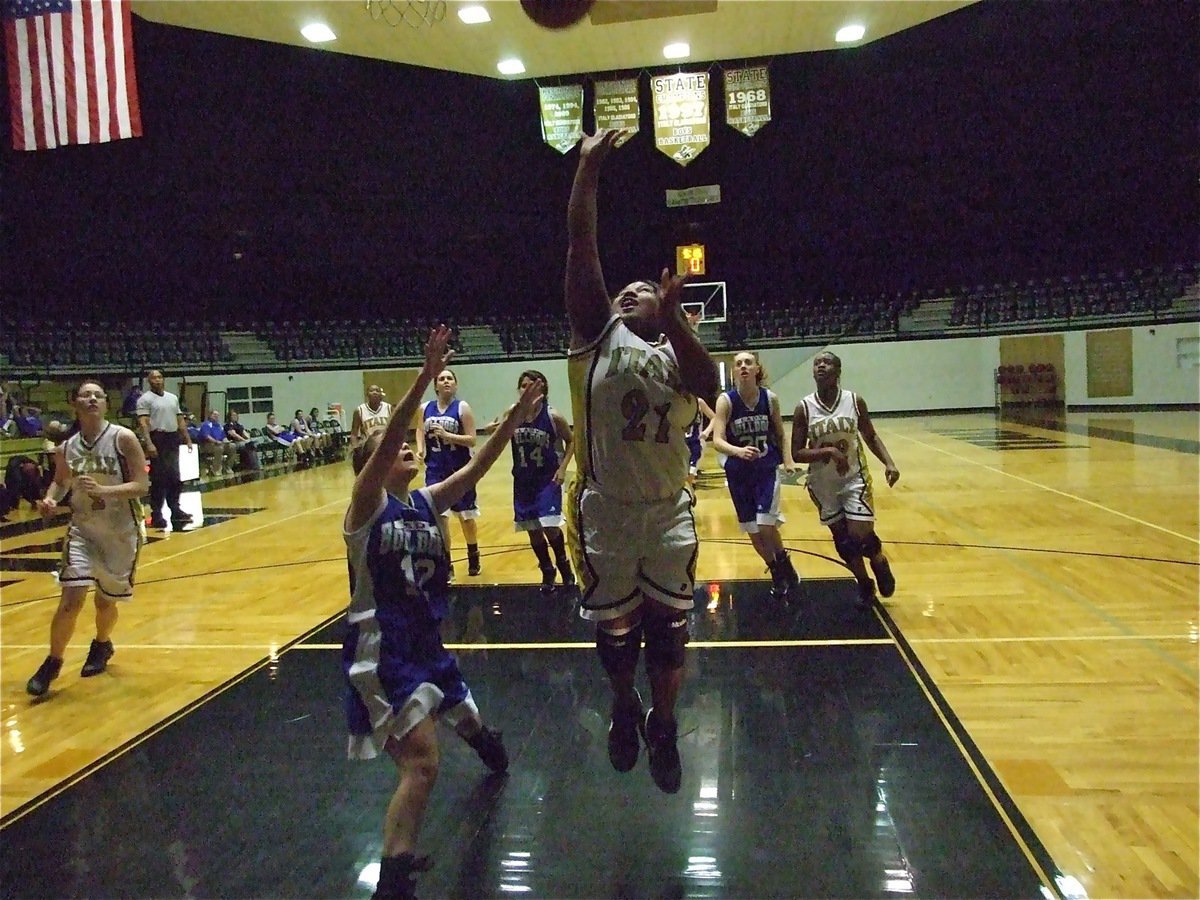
562	115
747	99
681	124
617	106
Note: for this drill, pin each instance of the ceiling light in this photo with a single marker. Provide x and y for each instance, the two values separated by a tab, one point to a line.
510	66
318	32
848	34
474	15
677	51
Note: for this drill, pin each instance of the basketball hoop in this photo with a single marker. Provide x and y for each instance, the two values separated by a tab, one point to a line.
413	13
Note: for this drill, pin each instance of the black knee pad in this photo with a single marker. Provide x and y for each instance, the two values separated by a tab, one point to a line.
619	652
848	547
870	545
666	638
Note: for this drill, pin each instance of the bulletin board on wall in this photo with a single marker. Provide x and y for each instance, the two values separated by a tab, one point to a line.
1110	363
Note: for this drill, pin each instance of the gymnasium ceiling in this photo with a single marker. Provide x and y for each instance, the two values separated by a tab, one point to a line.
616	35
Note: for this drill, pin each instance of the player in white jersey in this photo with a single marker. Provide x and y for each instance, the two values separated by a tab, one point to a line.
370	416
829	429
629	517
104	468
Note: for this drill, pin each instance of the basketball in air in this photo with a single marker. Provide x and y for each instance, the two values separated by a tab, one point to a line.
556	13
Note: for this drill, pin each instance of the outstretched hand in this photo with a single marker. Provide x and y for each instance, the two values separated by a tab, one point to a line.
595	147
437	352
528	402
670	309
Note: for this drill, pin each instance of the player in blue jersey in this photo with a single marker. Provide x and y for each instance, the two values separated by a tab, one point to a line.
541	451
400	678
444	443
748	429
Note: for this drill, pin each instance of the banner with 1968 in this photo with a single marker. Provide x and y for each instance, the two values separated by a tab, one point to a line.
747	99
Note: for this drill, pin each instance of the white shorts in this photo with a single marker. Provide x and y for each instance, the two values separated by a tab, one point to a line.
421	704
623	552
849	499
107	559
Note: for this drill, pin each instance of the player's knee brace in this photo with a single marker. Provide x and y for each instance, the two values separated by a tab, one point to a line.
618	652
666	638
870	546
848	547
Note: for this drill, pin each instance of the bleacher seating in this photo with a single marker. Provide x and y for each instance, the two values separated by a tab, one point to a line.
1156	294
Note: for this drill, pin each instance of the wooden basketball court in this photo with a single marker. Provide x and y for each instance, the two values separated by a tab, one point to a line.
1046	618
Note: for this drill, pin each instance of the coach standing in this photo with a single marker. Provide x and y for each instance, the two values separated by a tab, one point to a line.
162	429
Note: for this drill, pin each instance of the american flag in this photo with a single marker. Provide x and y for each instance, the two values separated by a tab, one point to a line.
70	72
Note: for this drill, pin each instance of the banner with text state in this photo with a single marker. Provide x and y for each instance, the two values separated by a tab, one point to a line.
681	123
562	115
617	106
747	99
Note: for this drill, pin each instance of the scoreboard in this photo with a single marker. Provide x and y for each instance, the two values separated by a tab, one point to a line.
689	259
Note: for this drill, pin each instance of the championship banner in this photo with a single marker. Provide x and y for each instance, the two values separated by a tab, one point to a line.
747	99
562	115
681	126
617	106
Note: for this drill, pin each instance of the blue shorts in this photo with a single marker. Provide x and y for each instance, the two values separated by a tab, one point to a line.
755	494
537	507
466	507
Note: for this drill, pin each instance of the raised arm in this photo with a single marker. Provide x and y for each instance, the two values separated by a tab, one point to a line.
446	493
697	370
369	485
587	297
867	429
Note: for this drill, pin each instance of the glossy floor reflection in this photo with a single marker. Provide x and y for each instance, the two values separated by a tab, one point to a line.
815	765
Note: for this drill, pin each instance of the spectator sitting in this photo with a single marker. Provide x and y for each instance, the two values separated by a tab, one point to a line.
247	448
322	439
306	440
8	425
282	435
215	446
193	429
29	421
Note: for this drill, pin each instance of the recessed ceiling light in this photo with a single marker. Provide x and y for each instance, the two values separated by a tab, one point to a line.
510	66
318	32
474	15
847	34
677	51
